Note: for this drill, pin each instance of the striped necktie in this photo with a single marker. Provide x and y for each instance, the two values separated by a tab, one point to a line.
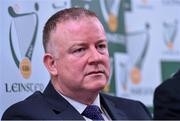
93	112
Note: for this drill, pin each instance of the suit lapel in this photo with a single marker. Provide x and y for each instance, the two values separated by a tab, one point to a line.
70	114
111	108
61	108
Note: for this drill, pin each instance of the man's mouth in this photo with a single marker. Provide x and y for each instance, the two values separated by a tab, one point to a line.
95	72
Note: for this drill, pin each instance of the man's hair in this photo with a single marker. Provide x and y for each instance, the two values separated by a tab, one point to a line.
63	16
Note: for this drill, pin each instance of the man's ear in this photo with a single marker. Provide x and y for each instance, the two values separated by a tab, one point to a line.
50	63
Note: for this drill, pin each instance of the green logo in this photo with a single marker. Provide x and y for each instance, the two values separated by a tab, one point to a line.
170	32
137	54
24	28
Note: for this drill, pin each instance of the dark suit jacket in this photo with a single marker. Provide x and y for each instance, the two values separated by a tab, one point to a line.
167	99
52	106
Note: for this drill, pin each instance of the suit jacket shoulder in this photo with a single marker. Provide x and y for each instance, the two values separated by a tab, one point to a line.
49	105
170	84
122	108
166	98
42	106
27	109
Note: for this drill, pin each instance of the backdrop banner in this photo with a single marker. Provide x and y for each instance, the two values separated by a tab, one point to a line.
143	39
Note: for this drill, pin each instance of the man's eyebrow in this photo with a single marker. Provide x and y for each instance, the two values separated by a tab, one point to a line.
102	40
78	44
73	46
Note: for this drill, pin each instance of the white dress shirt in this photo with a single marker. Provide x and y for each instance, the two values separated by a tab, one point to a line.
80	107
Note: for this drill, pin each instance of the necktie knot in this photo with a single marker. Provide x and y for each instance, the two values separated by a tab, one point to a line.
93	112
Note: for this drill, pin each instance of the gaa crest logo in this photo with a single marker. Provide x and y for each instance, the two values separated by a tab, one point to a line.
170	32
22	37
110	11
137	54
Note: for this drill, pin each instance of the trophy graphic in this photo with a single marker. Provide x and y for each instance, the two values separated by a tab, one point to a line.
169	32
110	9
22	36
137	46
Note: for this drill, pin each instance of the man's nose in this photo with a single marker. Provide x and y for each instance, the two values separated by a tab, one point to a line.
95	56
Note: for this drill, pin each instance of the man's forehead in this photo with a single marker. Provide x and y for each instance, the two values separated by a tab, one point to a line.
78	21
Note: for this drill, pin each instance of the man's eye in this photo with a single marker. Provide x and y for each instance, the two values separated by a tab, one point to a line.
79	50
102	46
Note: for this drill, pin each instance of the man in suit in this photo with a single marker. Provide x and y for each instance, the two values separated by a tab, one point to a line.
77	58
167	99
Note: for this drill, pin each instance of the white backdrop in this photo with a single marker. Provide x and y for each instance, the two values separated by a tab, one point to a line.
150	36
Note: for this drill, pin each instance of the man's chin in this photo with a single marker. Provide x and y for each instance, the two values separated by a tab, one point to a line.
99	85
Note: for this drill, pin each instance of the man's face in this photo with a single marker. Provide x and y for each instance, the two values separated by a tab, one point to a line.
83	62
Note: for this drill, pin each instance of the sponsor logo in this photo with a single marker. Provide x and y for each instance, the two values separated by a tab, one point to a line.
137	54
22	37
23	87
169	33
110	11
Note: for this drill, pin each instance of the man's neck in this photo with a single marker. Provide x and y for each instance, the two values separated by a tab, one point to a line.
86	98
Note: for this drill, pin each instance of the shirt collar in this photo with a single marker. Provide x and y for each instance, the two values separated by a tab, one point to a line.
80	107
